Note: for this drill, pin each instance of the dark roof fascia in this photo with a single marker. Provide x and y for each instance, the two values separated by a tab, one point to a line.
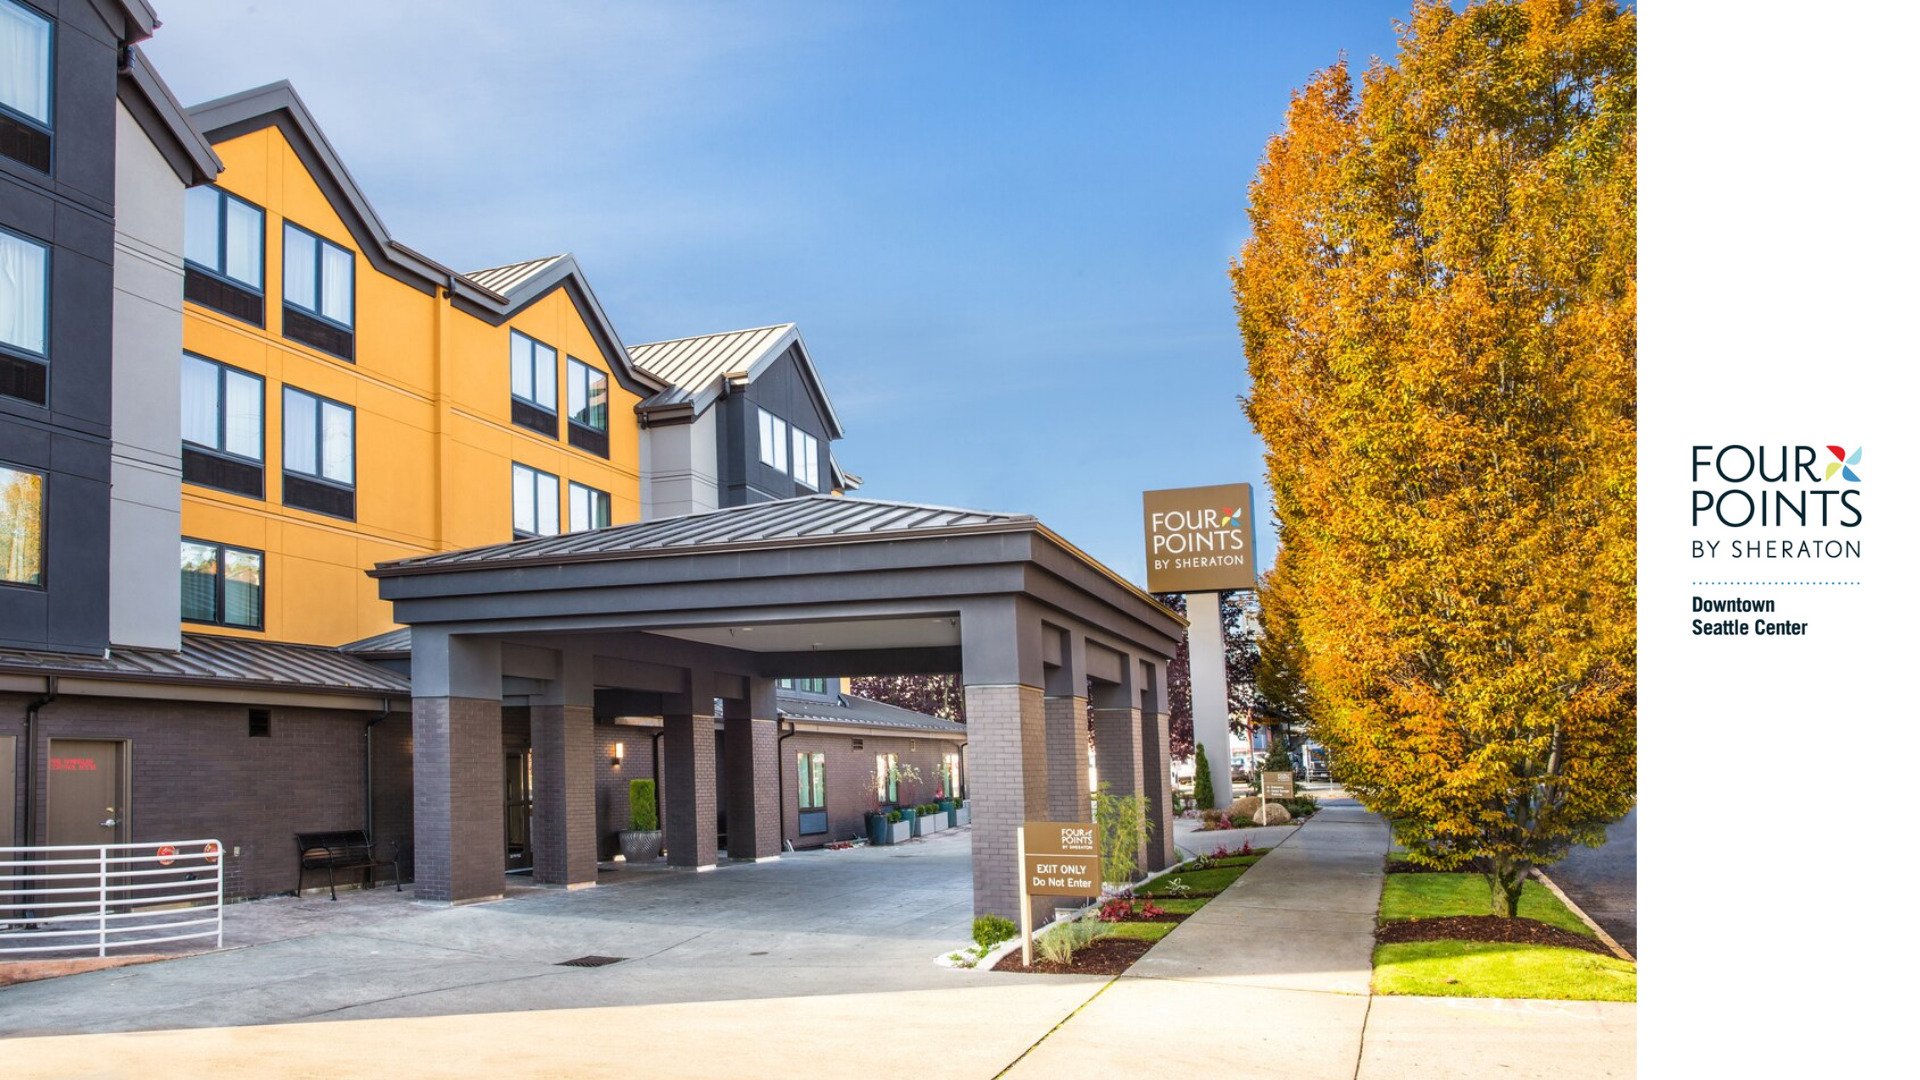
1112	579
681	412
494	308
131	20
278	105
152	105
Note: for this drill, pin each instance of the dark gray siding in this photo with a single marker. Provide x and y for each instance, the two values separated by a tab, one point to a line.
783	391
71	211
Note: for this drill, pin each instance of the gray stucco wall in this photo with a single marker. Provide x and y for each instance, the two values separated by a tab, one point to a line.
679	467
149	226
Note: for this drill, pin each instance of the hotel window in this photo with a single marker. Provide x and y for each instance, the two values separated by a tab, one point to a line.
586	407
222	426
773	441
811	770
887	783
226	249
950	775
316	454
587	508
536	503
221	585
806	459
536	367
26	85
24	274
23	503
316	288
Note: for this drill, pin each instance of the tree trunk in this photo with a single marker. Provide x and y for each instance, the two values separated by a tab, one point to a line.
1505	878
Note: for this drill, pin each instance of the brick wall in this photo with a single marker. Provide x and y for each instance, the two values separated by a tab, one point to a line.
1006	730
195	772
850	783
459	841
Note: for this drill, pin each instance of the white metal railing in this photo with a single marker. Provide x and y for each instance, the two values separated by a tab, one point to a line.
100	897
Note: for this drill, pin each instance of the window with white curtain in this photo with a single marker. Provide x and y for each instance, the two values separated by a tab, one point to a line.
588	508
773	441
586	395
536	502
226	236
318	276
23	293
806	459
221	408
26	63
317	437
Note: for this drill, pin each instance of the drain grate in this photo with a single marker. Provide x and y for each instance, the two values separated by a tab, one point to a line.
590	961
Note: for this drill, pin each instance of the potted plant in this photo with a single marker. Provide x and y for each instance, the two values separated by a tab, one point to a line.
899	827
962	813
910	816
932	818
640	841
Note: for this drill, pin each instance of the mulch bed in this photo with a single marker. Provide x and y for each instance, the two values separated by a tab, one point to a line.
1107	956
1486	928
1403	866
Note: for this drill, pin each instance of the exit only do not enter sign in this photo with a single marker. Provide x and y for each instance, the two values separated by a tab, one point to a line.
1062	858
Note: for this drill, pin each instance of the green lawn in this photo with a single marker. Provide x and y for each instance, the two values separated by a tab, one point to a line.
1145	931
1174	906
1427	896
1491	970
1197	880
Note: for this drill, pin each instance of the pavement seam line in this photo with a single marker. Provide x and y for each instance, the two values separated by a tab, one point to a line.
1360	1053
1605	938
1011	1065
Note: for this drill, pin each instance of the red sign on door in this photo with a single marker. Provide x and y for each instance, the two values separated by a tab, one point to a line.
212	851
166	854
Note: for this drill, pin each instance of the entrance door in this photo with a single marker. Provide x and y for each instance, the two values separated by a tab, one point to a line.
519	806
86	792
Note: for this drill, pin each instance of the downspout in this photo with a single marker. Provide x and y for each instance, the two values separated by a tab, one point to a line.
386	710
780	771
33	753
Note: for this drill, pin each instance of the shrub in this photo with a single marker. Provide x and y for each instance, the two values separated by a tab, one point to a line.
1301	806
991	930
1213	819
642	814
1066	939
1122	820
1242	821
894	818
1202	778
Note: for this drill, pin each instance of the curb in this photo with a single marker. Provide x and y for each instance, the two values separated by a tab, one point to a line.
1605	938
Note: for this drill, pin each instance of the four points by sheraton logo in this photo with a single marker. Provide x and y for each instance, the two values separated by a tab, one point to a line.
1845	465
1231	518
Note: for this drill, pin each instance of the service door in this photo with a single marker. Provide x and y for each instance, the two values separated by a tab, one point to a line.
86	791
7	789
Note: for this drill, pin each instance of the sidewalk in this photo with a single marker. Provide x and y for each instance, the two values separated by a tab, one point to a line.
1272	979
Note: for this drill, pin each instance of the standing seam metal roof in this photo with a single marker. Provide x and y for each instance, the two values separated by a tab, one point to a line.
691	364
504	279
787	521
207	659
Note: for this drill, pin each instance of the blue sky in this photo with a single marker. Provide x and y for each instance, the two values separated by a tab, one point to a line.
1003	229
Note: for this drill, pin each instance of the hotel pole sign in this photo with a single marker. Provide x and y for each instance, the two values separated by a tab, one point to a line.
1200	540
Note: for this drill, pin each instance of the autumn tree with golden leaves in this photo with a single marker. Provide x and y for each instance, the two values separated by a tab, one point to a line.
1438	310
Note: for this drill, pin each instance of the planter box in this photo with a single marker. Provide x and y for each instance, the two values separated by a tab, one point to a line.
962	815
899	832
876	828
931	823
640	848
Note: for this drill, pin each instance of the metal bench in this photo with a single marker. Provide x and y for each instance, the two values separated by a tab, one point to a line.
341	849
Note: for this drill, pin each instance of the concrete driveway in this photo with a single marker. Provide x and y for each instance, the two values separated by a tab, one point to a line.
863	920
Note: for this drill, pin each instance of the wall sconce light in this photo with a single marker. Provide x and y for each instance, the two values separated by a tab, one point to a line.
619	753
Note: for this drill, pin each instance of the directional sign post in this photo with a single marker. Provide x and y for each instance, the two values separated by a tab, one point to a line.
1274	785
1057	858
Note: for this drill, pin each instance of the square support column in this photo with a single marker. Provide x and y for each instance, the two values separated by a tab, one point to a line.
1156	762
459	833
1006	750
565	847
691	828
751	739
1067	797
1117	748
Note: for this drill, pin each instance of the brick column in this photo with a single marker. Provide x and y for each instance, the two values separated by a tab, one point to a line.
1156	758
1117	750
690	808
459	832
1006	748
1067	759
565	847
753	788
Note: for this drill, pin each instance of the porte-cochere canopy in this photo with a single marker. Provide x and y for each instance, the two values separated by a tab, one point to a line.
662	618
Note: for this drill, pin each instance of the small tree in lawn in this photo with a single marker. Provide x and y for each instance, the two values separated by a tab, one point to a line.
1202	778
1124	830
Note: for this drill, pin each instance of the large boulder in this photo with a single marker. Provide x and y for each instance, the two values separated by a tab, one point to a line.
1249	806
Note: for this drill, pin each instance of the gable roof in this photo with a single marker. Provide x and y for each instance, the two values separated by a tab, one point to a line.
152	105
278	105
698	368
